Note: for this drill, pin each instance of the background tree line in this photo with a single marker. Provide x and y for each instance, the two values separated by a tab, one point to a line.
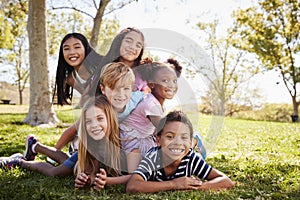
268	33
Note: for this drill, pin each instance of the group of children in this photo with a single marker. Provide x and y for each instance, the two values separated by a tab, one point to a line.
124	137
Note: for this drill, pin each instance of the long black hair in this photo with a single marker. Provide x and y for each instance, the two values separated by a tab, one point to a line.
65	91
113	55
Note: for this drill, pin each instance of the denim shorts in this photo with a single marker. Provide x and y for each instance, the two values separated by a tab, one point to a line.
71	161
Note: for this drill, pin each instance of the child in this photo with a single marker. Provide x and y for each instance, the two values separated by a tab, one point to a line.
172	165
138	129
126	47
77	61
116	82
99	145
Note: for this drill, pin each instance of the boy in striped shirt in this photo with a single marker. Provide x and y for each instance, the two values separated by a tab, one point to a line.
173	165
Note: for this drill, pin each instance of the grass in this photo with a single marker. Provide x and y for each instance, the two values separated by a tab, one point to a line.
262	158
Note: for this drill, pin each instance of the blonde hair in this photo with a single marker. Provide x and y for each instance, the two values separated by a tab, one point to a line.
112	145
113	72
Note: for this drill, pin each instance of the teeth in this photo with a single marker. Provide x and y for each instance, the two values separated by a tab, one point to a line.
176	150
73	58
120	100
97	132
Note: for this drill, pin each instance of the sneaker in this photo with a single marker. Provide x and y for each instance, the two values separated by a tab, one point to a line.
200	146
11	161
28	154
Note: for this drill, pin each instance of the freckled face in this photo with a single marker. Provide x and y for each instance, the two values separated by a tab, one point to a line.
131	47
96	122
175	140
74	52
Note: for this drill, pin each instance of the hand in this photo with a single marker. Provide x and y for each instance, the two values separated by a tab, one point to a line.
82	180
187	183
100	180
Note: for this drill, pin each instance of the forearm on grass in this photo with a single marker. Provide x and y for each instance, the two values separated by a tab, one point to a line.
218	183
136	184
66	136
217	180
117	180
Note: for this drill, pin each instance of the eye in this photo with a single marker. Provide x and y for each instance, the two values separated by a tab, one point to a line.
175	81
100	118
87	122
169	136
66	48
165	81
185	137
128	40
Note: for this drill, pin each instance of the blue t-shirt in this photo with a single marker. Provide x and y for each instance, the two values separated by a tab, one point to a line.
135	99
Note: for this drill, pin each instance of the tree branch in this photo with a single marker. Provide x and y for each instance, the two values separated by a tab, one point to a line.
72	8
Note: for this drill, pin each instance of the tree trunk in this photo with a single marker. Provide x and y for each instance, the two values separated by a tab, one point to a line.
20	94
295	115
97	23
40	110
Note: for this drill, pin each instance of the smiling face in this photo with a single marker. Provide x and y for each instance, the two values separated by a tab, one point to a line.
96	122
164	86
74	52
119	96
175	141
131	47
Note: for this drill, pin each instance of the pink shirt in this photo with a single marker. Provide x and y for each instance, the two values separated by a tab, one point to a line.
138	119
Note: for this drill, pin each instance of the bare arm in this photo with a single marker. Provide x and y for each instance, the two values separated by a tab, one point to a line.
67	136
117	180
217	181
137	184
101	180
155	120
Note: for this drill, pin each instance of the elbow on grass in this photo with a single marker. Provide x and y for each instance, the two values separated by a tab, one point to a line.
131	189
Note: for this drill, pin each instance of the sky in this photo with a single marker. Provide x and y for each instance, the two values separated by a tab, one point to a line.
181	16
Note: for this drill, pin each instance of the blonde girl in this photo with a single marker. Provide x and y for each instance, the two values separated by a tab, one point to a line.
99	146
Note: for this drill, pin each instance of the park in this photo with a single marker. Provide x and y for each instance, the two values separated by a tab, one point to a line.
254	142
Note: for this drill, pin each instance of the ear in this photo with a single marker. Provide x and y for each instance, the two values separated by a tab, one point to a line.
151	84
157	140
102	88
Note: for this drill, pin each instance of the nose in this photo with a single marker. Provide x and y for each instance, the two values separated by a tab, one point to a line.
132	47
177	141
94	124
71	51
120	92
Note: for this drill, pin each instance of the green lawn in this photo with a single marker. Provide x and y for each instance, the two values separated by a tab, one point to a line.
262	158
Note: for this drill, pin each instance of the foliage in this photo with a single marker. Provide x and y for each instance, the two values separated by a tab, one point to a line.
13	33
262	158
271	30
268	112
95	11
231	68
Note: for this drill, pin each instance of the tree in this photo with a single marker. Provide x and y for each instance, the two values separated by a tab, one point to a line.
101	8
41	110
13	34
271	30
230	69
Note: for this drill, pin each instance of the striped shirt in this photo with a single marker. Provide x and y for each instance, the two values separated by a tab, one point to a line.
151	167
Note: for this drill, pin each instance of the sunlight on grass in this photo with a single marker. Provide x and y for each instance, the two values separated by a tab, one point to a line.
262	158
